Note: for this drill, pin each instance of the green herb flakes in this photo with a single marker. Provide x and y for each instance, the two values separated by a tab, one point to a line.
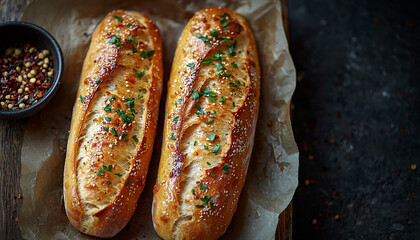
191	65
146	54
215	148
211	137
118	18
225	168
176	119
114	132
135	138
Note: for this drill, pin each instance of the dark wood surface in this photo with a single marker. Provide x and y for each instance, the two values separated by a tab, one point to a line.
11	138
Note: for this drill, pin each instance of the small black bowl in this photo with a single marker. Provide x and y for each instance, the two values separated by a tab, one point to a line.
14	32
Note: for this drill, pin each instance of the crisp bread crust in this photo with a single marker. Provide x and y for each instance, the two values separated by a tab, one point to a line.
210	121
114	123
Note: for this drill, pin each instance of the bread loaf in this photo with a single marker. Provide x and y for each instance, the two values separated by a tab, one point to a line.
211	115
113	124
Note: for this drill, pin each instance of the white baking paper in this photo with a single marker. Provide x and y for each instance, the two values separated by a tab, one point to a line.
273	175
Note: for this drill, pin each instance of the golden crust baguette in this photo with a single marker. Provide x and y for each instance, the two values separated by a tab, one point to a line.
211	115
114	123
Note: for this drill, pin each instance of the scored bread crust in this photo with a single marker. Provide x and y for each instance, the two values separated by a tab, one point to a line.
211	115
114	123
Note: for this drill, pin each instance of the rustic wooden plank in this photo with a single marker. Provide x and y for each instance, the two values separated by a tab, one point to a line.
11	138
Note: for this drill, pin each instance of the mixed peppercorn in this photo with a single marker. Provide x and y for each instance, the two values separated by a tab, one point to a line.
26	75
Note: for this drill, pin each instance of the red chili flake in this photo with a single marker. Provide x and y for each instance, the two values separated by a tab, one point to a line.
282	168
269	123
25	76
403	130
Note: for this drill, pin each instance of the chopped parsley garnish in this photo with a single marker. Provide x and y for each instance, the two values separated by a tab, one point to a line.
114	132
196	95
208	163
98	80
223	21
225	168
107	108
237	84
105	129
199	110
134	50
146	54
210	121
223	100
107	168
214	114
224	30
214	33
108	119
108	183
126	118
220	66
202	187
195	143
205	199
130	38
176	119
138	74
118	174
214	175
127	182
231	48
111	98
126	139
81	98
203	38
104	168
173	137
191	65
199	206
211	205
206	147
124	133
118	18
212	99
209	94
130	102
193	191
128	25
206	61
233	104
211	137
215	148
225	74
116	40
218	57
135	138
234	64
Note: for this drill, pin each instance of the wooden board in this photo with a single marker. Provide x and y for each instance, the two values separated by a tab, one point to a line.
11	138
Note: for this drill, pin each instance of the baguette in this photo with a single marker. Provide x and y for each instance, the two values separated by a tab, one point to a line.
113	124
211	115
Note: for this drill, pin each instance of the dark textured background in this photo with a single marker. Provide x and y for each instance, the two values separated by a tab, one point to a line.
356	118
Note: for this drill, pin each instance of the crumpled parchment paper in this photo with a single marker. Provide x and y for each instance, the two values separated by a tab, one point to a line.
273	171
